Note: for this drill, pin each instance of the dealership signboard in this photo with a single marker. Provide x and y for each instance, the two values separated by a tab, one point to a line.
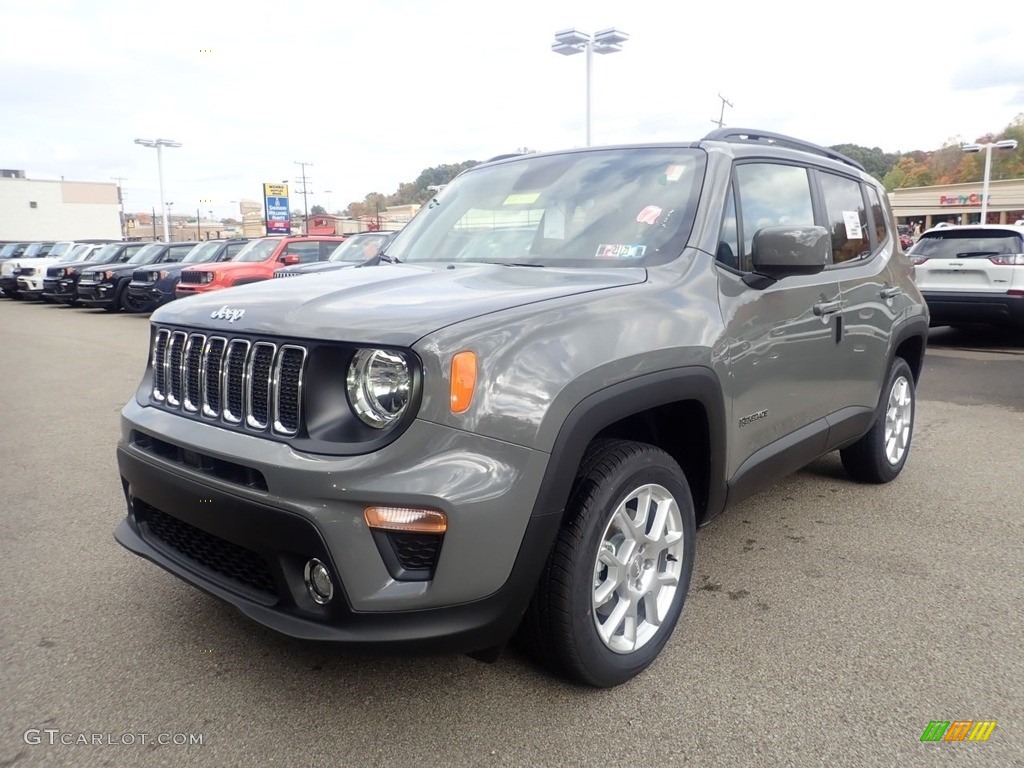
278	216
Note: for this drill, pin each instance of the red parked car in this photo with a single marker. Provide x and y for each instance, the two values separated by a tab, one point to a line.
255	262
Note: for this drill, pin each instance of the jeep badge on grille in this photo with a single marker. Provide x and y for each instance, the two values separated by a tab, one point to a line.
227	313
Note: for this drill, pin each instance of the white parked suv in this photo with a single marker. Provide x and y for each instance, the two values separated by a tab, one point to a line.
972	273
31	273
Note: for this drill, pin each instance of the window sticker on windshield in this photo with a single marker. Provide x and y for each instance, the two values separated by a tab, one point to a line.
554	224
620	251
852	221
521	198
674	172
649	215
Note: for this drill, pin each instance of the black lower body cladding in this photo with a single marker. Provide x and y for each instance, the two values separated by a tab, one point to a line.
252	556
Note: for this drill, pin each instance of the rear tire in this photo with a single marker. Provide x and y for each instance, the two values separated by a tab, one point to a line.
615	582
879	456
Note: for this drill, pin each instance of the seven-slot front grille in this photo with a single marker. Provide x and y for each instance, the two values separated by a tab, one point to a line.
191	277
239	382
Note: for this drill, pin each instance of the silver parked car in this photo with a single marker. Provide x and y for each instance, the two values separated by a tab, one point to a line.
568	362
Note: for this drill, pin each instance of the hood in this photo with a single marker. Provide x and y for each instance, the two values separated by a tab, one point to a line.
226	266
395	304
317	266
39	263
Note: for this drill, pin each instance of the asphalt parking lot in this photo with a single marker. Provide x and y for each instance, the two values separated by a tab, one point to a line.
828	623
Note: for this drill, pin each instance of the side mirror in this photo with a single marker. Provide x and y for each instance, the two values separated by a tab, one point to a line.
779	252
290	258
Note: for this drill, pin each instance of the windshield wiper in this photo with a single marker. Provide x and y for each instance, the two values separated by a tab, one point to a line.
977	253
388	259
512	264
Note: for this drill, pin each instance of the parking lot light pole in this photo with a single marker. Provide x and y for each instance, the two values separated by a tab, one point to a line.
160	144
1004	144
569	42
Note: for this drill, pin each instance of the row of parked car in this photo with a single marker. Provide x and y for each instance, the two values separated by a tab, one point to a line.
139	277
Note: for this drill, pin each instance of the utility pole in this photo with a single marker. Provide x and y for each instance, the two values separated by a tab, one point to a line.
199	234
721	115
154	223
305	201
120	200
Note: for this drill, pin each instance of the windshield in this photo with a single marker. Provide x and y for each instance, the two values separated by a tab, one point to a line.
79	252
61	249
147	254
33	249
359	248
592	208
7	250
104	255
257	250
967	244
202	253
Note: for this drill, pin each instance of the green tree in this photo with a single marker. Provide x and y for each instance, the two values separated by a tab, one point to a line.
317	210
875	161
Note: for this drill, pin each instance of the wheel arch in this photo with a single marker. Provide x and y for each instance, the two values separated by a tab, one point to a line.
910	339
680	410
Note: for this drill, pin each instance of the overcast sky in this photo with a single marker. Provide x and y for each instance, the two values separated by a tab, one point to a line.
373	92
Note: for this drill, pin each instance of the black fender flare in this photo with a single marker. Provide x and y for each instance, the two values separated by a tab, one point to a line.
915	325
248	281
618	401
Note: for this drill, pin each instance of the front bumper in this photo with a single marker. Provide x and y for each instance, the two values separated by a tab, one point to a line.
96	294
191	289
59	289
223	533
149	294
957	307
30	287
9	285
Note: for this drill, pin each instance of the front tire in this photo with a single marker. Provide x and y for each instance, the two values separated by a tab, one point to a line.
617	577
879	456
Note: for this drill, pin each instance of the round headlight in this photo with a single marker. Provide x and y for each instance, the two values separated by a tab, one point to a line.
378	386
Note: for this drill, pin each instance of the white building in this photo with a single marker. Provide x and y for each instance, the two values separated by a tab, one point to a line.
33	210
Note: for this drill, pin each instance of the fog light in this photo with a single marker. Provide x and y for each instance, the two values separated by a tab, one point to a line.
318	582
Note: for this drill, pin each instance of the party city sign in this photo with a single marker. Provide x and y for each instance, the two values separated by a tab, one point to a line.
972	199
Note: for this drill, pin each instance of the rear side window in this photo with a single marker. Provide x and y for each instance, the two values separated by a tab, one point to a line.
772	195
968	244
231	250
178	252
306	250
878	216
846	218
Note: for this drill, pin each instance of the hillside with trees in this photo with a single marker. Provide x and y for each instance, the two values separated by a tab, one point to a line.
919	168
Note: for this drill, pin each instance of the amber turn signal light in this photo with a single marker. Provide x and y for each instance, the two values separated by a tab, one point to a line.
408	519
463	381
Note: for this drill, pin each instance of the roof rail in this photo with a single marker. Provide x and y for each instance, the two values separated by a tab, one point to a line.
739	135
503	157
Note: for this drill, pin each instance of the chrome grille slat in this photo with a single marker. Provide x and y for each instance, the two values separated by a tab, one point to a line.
233	388
159	351
255	385
287	386
213	361
192	374
173	363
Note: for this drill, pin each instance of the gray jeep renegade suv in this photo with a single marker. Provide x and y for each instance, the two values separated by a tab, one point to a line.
569	362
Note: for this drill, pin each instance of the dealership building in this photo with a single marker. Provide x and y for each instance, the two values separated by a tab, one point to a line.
959	203
32	210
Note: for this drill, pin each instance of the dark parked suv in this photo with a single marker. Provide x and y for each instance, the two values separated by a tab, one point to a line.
106	285
61	281
572	360
361	249
152	287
